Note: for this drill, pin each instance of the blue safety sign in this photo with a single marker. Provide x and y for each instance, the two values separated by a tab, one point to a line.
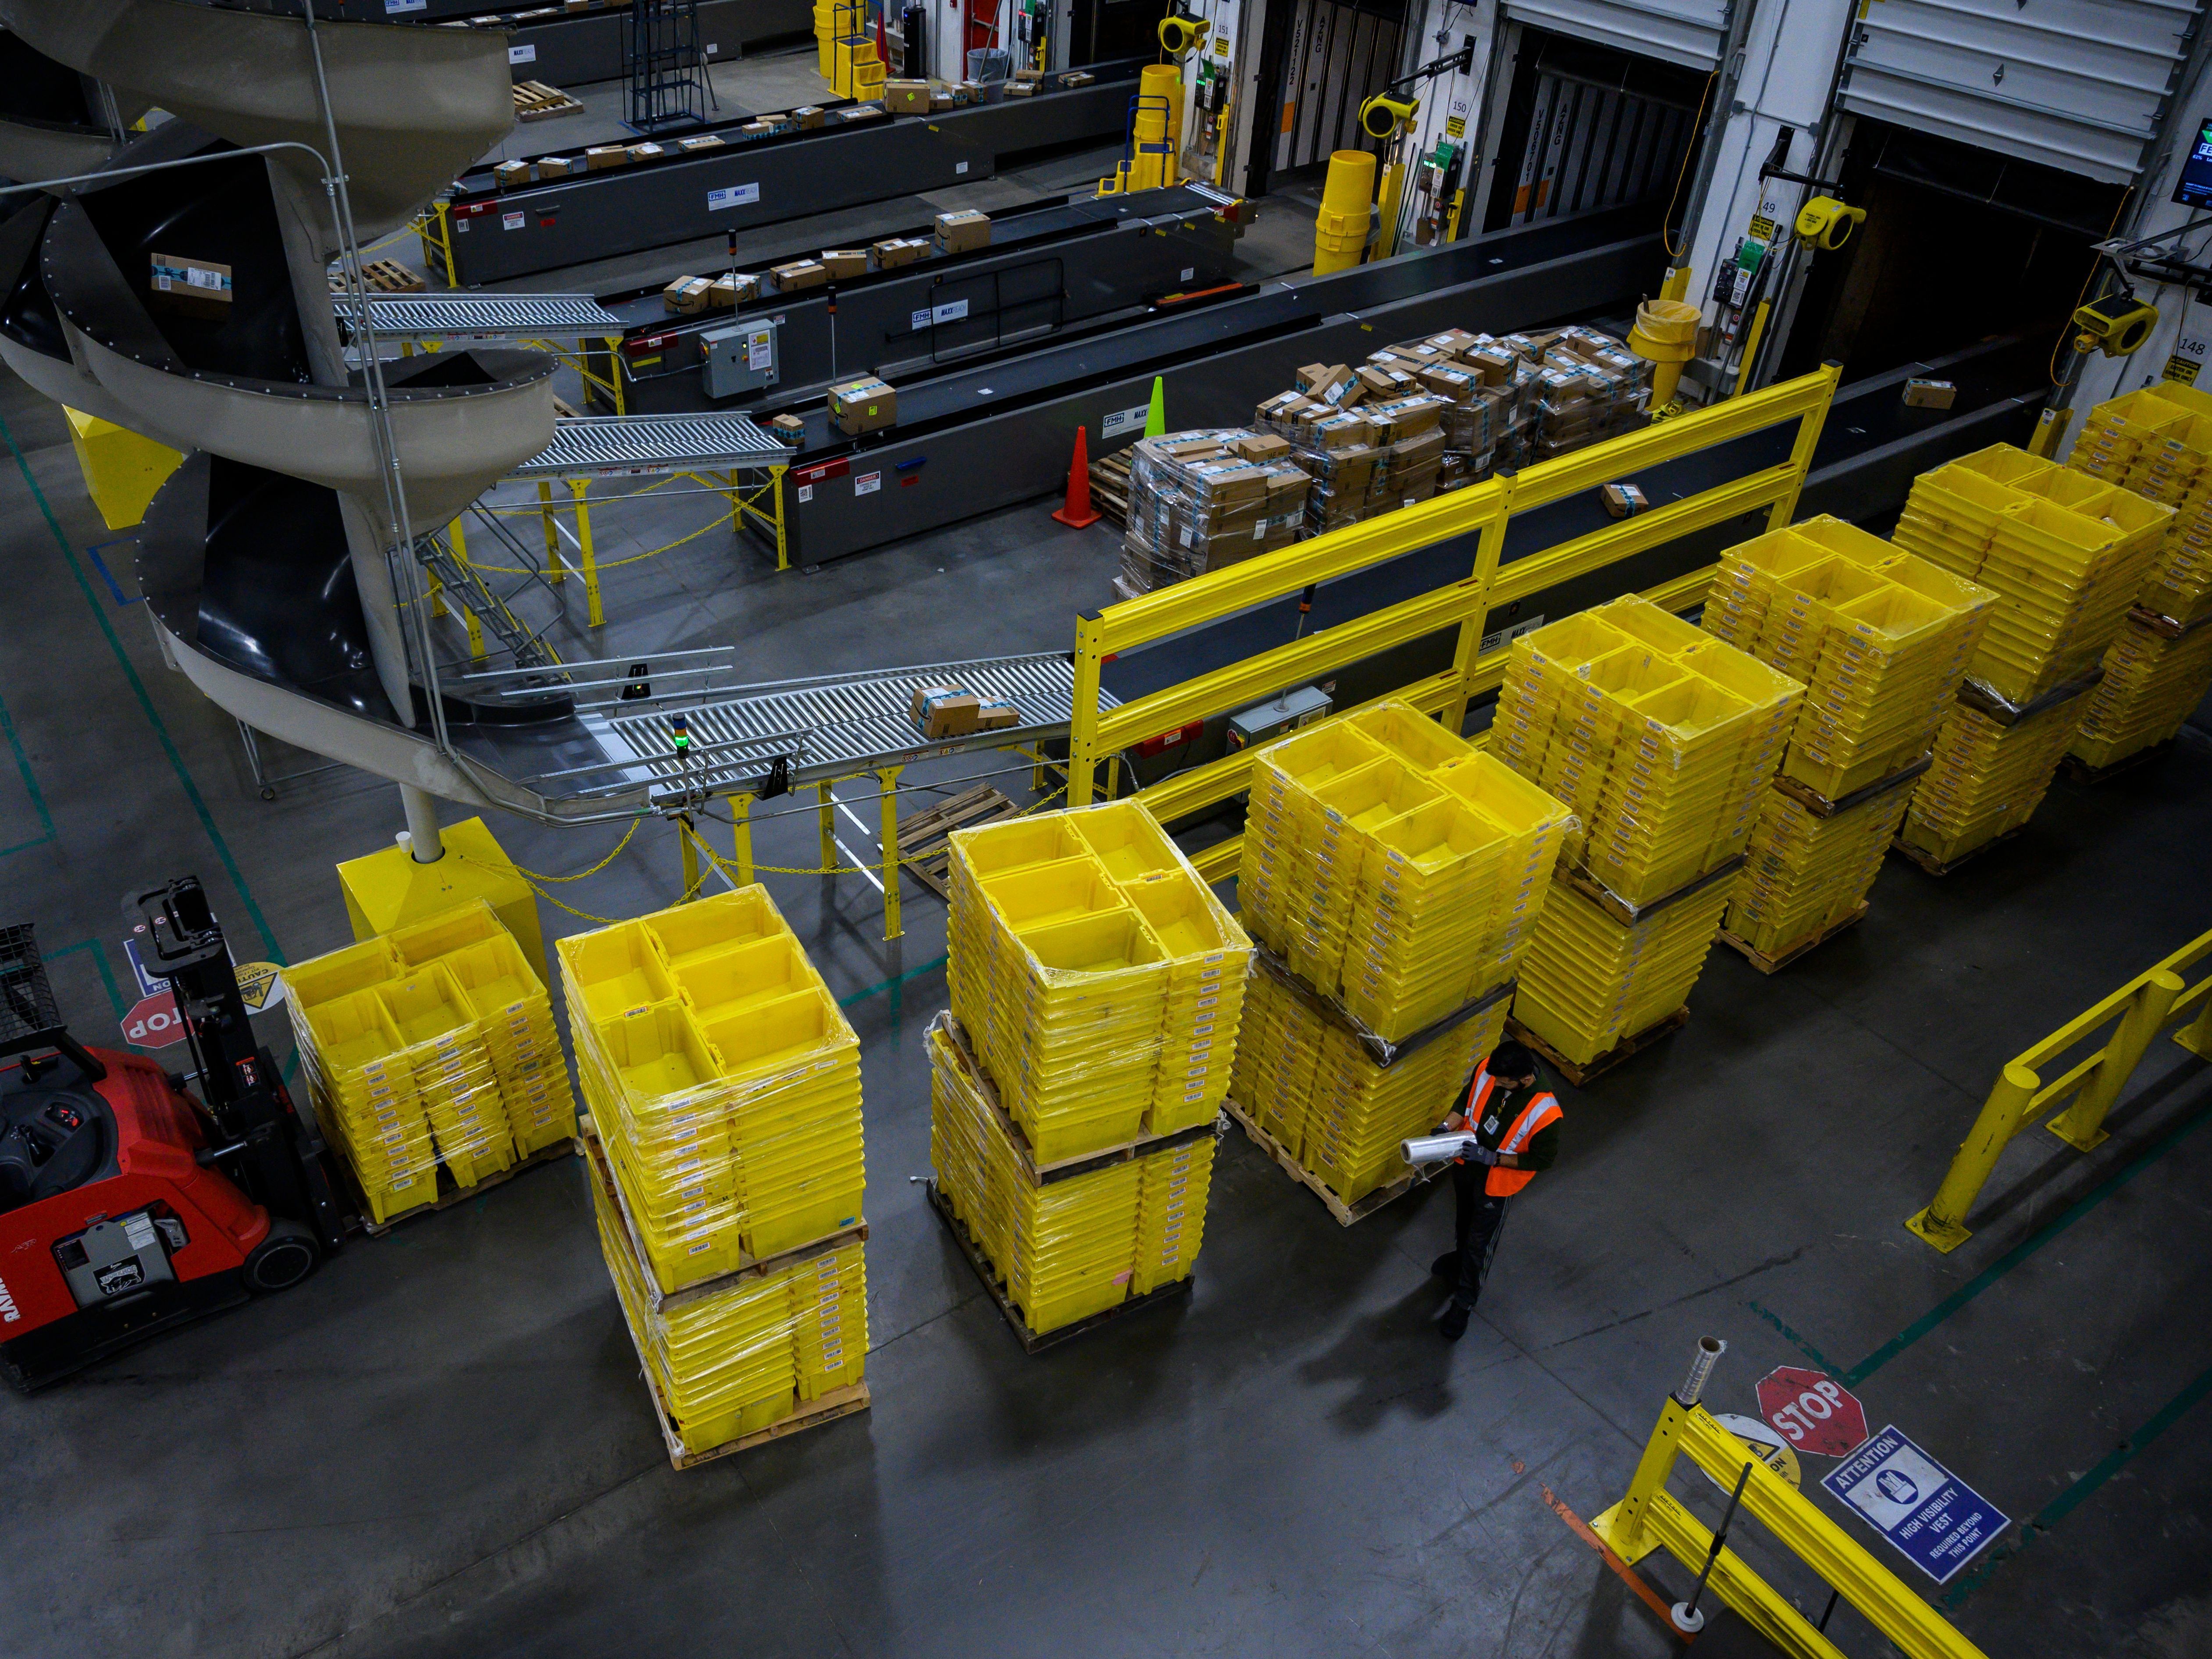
1933	1517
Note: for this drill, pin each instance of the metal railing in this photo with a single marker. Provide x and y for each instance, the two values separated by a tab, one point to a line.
1485	510
2135	1014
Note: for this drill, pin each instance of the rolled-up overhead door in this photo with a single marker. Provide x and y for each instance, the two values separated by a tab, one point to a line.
2075	84
1685	31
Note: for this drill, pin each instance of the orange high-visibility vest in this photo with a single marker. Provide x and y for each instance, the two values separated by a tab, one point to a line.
1543	1108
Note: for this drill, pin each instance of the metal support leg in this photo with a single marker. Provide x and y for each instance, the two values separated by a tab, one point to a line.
468	611
776	495
2196	1038
887	776
2081	1126
556	568
826	810
741	815
424	844
683	840
594	615
1943	1223
1623	1527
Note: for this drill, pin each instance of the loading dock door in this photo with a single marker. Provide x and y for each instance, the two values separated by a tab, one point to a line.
1339	56
2074	84
1684	32
1587	127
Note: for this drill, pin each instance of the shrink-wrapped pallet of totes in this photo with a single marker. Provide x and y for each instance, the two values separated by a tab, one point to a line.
431	1047
1663	738
2157	443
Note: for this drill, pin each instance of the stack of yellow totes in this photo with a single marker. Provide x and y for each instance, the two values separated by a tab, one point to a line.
1397	872
738	1354
1071	1244
431	1045
1663	738
723	1080
2154	676
2065	554
1882	639
2157	442
1097	978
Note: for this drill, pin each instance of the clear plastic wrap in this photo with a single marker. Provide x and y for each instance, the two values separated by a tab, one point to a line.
1096	976
2066	551
1392	867
431	1046
723	1081
1882	638
744	1351
1989	776
2152	681
1662	737
1592	980
1066	1246
1803	873
1197	504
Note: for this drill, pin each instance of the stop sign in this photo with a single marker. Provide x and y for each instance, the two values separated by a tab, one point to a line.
1812	1411
155	1022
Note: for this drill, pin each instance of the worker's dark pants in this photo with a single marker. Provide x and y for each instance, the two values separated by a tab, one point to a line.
1480	1220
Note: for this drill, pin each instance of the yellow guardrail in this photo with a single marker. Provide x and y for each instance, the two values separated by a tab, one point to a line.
1484	510
2136	1012
1651	1517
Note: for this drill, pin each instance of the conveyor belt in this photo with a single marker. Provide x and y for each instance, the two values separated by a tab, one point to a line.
643	446
483	316
834	725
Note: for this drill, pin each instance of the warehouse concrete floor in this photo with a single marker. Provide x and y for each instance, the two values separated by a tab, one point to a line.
441	1445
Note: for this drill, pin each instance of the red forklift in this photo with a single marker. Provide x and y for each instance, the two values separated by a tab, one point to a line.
133	1199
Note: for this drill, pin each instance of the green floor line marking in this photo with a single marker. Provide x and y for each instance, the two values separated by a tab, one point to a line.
145	702
1794	1339
2026	1248
30	786
99	961
2082	1490
892	983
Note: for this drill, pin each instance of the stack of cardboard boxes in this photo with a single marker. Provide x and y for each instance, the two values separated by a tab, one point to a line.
953	711
1200	500
952	233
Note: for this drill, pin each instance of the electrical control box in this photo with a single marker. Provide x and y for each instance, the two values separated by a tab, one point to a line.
1265	722
741	358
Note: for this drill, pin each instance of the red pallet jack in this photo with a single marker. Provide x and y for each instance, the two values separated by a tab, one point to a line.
127	1204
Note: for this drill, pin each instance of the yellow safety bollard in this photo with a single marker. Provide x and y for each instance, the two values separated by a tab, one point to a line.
2081	1126
594	615
741	826
826	808
1341	231
556	568
2198	1036
887	776
1943	1223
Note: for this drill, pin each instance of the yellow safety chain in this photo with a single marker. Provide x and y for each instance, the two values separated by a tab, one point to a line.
606	565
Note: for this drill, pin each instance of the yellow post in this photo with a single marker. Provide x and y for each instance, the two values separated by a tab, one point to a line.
556	570
1623	1527
1943	1223
690	857
887	776
1393	193
2081	1126
741	817
468	611
614	368
1083	719
1677	284
1800	453
1346	197
1750	349
825	804
1488	547
782	545
437	595
2198	1037
594	615
2049	433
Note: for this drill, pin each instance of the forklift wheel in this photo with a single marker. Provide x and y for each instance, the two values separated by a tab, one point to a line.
281	1261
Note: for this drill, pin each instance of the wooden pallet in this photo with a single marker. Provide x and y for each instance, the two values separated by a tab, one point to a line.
1621	1052
386	276
1044	1175
559	1149
2080	771
1776	964
1109	488
536	102
595	1155
1035	1341
1936	867
1346	1214
925	837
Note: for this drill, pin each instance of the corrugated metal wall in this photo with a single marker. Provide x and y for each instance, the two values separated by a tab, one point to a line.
1592	146
1339	56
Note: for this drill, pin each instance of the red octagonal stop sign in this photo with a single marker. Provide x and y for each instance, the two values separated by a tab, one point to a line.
1812	1411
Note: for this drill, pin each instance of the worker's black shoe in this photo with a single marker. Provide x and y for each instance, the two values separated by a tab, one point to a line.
1453	1325
1445	1266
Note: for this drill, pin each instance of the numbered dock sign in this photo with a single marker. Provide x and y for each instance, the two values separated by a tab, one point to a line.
1934	1519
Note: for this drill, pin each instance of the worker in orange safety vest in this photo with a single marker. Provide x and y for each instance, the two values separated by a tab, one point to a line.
1514	1120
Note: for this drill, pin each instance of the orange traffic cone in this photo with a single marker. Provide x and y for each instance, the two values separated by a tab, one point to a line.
1076	514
